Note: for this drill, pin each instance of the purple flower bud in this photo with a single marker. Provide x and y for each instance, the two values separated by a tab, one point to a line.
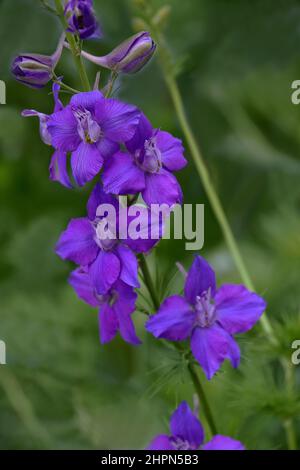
82	19
130	56
36	70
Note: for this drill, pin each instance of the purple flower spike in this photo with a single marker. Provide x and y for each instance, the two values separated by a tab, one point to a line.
147	166
115	307
187	434
129	57
82	19
208	316
91	128
36	70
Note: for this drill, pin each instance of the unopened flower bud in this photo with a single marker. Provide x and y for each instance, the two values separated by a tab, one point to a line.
129	57
36	70
82	19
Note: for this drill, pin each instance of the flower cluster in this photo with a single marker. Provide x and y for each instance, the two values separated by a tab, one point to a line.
113	141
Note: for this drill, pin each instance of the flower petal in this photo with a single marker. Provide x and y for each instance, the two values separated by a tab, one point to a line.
220	442
107	148
161	442
186	426
117	120
81	283
77	243
162	188
87	100
173	321
211	346
129	266
62	126
122	176
127	330
108	323
98	197
86	163
105	271
171	151
238	309
143	132
58	169
200	278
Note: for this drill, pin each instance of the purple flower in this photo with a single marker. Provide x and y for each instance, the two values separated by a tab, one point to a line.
36	70
91	128
93	242
209	316
129	57
58	165
82	19
152	156
187	434
115	307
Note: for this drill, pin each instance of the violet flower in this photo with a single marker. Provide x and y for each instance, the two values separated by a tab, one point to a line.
36	70
129	57
187	434
91	128
146	167
108	258
209	316
81	19
115	307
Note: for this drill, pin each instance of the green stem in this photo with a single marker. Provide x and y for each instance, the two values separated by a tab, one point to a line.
74	48
111	83
290	384
195	379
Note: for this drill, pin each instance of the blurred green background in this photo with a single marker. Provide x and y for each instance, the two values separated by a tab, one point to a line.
60	388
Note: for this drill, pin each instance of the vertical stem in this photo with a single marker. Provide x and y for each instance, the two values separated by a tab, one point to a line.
74	49
195	379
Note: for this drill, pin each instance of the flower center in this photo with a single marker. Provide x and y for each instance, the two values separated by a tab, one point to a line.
149	158
88	129
205	310
180	444
105	234
109	298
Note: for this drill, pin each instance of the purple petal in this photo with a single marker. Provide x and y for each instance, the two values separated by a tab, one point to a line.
126	298
43	118
150	228
200	279
127	329
108	323
87	100
105	271
186	426
161	442
162	188
143	132
62	127
122	176
58	106
219	442
171	151
86	163
211	346
117	120
173	321
238	309
58	169
98	197
129	266
77	243
81	283
107	148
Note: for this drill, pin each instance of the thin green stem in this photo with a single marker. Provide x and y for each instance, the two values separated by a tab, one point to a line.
111	84
74	48
194	377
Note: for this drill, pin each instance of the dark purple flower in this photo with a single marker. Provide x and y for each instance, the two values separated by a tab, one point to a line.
129	57
115	307
91	128
146	167
36	70
93	241
81	19
209	316
58	165
187	434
